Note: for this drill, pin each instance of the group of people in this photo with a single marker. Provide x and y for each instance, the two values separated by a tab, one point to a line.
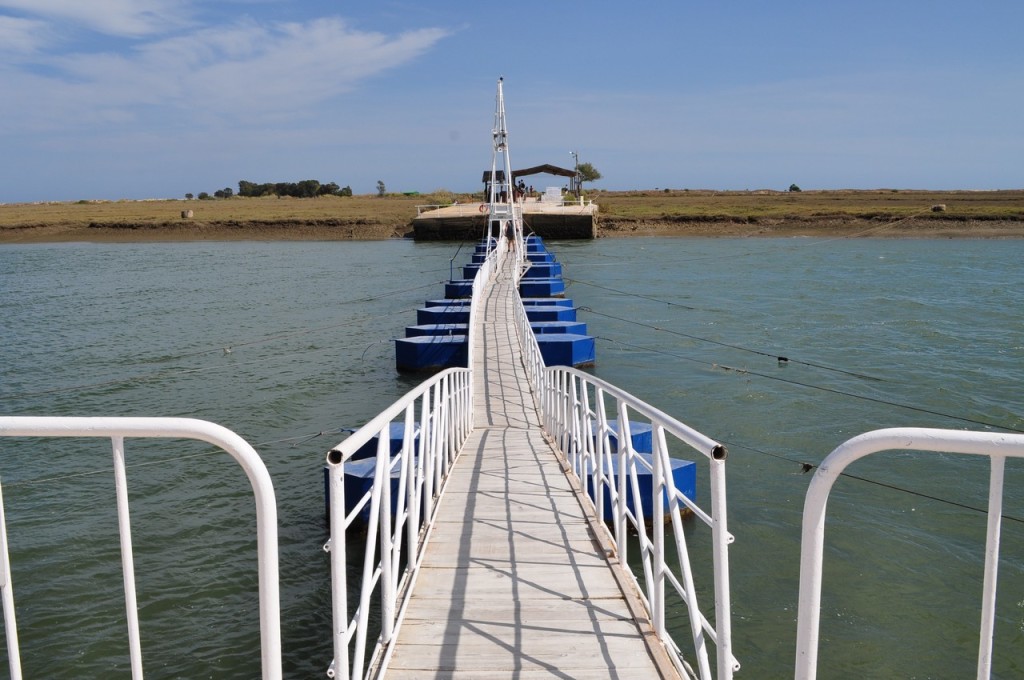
520	190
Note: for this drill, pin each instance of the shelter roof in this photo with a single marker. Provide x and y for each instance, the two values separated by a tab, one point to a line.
541	169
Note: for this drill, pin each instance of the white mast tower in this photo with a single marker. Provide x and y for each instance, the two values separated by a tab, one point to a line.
505	210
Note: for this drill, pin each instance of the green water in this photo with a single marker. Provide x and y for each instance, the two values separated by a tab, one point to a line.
283	341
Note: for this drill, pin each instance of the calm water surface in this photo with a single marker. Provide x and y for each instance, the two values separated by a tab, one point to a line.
287	343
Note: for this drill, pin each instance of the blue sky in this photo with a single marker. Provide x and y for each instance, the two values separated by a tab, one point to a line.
113	99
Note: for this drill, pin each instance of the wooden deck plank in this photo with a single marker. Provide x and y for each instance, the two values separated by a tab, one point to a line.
513	582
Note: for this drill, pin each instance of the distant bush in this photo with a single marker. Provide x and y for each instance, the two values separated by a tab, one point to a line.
440	197
793	187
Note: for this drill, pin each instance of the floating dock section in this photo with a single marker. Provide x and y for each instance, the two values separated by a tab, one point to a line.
547	219
439	338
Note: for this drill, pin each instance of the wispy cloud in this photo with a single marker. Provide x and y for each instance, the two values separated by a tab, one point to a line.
126	18
246	72
23	36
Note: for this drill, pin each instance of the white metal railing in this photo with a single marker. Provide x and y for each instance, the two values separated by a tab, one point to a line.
118	429
997	446
480	281
532	358
583	414
398	525
573	411
397	528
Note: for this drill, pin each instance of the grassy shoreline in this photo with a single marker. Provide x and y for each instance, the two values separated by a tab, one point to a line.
879	213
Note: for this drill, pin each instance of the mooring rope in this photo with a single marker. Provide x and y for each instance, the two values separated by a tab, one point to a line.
831	390
806	467
780	358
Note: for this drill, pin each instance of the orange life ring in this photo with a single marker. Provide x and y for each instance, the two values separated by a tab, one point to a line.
483	207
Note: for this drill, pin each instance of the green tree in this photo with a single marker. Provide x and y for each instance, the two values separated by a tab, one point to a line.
381	189
794	187
188	197
308	188
345	191
588	173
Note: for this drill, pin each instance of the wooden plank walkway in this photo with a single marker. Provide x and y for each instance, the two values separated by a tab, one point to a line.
514	583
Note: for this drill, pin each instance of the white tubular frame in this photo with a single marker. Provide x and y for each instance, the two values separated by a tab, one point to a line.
117	429
444	406
578	411
997	446
572	405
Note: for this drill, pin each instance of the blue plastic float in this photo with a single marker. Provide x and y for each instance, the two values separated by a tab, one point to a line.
430	352
684	475
436	329
438	339
577	327
554	287
566	349
684	472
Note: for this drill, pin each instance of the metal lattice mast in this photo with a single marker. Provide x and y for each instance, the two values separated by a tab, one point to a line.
503	215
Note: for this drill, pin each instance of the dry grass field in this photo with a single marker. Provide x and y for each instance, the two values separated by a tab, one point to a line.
678	212
745	205
884	213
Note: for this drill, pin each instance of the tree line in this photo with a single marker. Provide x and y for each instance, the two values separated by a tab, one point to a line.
307	188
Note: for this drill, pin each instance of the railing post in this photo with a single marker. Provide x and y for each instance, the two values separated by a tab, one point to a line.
127	560
658	529
604	471
415	467
720	558
992	538
574	426
380	480
683	556
382	477
591	469
436	440
622	450
446	419
426	454
565	411
339	571
7	591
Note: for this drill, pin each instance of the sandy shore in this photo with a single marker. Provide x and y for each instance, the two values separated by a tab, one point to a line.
361	229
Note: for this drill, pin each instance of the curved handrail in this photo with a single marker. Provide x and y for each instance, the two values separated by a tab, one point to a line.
117	429
997	446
